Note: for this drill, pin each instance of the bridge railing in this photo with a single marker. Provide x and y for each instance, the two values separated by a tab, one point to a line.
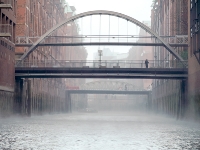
114	89
6	4
178	39
103	64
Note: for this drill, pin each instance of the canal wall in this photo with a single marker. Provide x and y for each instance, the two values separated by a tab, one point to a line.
170	97
193	89
38	96
6	103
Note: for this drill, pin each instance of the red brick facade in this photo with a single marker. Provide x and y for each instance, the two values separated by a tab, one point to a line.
7	58
169	18
194	55
34	18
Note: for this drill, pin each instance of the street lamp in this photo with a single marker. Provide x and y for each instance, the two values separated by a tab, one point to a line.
100	54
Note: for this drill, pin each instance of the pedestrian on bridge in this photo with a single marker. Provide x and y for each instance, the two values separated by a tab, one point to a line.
146	63
125	87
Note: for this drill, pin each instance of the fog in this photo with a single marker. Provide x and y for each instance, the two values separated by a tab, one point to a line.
113	126
109	103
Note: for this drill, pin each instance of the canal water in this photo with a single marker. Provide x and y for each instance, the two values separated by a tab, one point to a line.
98	131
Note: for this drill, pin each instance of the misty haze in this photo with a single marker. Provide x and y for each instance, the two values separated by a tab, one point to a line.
99	75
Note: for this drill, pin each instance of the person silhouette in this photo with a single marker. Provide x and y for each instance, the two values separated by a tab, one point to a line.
146	63
125	87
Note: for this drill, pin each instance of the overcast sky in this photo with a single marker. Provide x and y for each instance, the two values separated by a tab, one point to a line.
138	9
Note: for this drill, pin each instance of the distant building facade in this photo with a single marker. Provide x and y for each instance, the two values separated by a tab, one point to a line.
169	18
194	56
7	55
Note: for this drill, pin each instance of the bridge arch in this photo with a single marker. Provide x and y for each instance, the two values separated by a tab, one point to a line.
102	12
110	85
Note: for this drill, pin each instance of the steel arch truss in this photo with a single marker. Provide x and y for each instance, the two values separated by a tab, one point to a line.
102	12
110	86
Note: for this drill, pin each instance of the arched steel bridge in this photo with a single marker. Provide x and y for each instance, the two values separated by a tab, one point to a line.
41	39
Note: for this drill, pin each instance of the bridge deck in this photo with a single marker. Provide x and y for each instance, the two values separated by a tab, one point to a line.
63	72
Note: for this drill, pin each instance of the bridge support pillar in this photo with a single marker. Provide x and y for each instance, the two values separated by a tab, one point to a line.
23	102
182	99
19	84
183	96
29	101
68	102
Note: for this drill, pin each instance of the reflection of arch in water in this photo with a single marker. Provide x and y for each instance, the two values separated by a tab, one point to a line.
102	12
110	85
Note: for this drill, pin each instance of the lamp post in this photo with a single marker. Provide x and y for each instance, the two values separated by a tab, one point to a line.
100	54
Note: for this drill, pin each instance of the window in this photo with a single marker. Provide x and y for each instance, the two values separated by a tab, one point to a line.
191	4
5	44
196	26
191	32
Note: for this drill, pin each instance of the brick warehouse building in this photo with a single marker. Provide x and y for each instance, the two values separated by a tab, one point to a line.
7	55
34	18
169	18
194	57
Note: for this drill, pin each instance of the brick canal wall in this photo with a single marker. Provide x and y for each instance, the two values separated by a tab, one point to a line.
170	97
29	101
6	103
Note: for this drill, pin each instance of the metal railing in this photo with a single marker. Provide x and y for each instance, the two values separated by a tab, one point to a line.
6	4
5	30
181	39
103	64
127	88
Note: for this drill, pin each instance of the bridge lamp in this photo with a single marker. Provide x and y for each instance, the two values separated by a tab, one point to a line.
100	52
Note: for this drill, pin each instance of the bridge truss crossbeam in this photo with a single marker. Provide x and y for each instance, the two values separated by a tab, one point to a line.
84	40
